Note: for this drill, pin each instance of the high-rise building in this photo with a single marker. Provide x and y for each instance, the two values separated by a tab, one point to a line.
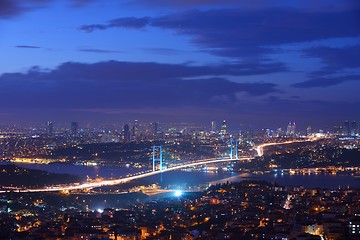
291	129
156	128
354	129
213	126
135	129
223	128
127	133
74	128
288	129
338	130
50	128
346	128
308	130
266	132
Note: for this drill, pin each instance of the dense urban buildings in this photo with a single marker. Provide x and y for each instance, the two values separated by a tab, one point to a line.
224	207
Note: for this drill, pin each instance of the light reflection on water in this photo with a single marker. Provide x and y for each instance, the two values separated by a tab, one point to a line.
186	178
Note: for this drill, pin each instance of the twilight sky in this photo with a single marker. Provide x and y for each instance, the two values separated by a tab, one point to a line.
256	63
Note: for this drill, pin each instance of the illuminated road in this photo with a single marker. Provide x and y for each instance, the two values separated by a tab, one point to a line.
260	148
113	182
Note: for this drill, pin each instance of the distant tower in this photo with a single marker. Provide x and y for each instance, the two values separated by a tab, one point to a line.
266	132
126	133
135	130
288	129
291	129
74	128
223	128
50	128
213	126
346	128
338	130
354	129
308	131
156	128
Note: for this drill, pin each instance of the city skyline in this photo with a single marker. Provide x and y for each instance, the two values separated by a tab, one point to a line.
258	63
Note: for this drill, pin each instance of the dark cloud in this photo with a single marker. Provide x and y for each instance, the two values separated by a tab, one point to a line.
125	85
130	71
215	28
27	46
153	91
325	81
339	65
92	27
253	4
94	50
13	8
9	8
243	33
336	58
129	22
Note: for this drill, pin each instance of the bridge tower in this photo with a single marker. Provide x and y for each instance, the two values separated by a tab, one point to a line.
234	149
157	156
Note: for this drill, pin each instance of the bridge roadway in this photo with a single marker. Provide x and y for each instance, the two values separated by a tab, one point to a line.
113	182
260	148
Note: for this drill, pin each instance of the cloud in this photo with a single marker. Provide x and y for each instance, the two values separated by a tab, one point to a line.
115	84
325	81
234	27
27	46
9	8
94	50
129	22
13	8
155	91
340	64
253	4
244	33
138	71
336	58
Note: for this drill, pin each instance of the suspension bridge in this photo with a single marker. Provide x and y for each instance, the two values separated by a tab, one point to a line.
157	157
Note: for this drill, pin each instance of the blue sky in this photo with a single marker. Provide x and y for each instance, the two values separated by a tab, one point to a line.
258	63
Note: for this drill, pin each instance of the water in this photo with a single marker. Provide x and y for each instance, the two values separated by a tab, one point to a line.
185	178
80	170
309	181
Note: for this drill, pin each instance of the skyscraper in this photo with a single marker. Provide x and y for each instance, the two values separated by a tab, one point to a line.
135	129
291	129
156	126
308	130
126	133
223	128
50	128
346	128
354	129
213	126
74	128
